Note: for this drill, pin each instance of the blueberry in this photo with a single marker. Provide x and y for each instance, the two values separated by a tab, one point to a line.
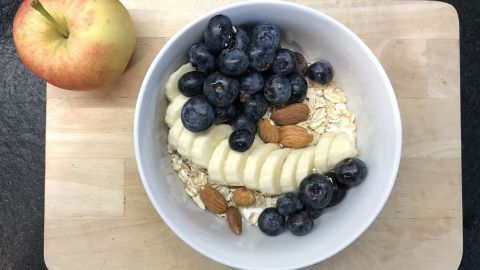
219	34
301	65
220	90
289	204
191	83
233	62
255	106
300	224
241	121
351	171
241	39
339	189
321	72
277	90
266	35
197	114
201	58
299	88
270	222
225	114
314	213
316	191
260	58
284	62
251	83
241	140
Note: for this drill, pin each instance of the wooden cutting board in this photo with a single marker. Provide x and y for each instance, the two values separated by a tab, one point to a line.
97	215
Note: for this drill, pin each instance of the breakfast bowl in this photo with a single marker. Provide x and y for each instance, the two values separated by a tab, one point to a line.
370	96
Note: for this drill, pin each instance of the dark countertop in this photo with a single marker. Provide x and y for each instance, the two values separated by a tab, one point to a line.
22	145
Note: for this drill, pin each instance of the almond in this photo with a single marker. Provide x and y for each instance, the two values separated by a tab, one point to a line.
243	197
234	219
292	136
268	131
213	200
291	115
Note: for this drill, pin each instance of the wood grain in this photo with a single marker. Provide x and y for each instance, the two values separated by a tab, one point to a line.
97	215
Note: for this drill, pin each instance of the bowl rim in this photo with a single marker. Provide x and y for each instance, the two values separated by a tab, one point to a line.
392	103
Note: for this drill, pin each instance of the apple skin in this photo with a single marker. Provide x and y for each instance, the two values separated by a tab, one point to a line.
100	43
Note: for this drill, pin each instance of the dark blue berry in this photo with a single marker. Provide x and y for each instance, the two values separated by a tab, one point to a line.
241	140
316	191
255	106
300	224
191	83
321	72
241	121
351	171
339	189
225	114
277	90
201	58
289	204
241	39
314	213
266	35
284	62
251	83
233	62
219	34
299	88
197	114
220	90
301	65
260	58
270	222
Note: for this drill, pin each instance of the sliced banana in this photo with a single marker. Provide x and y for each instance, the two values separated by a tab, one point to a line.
206	142
322	151
254	164
305	164
271	170
174	133
342	147
173	110
171	87
235	165
288	178
185	142
217	161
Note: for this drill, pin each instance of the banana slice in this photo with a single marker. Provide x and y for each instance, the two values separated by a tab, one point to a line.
254	163
185	142
288	178
342	147
217	162
322	151
173	110
305	164
174	133
270	173
206	142
235	165
171	87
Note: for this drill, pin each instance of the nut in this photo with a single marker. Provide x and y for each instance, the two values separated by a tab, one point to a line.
234	219
294	136
291	115
213	200
243	197
268	131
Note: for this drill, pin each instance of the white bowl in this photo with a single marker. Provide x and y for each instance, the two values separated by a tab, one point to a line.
370	96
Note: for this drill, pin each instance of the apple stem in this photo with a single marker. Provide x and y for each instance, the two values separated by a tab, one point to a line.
39	7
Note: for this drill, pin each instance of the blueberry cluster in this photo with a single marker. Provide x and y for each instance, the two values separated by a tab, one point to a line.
239	75
297	211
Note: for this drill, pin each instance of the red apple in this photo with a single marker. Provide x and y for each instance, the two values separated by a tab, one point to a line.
74	44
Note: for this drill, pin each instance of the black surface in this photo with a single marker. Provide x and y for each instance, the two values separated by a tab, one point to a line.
22	137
